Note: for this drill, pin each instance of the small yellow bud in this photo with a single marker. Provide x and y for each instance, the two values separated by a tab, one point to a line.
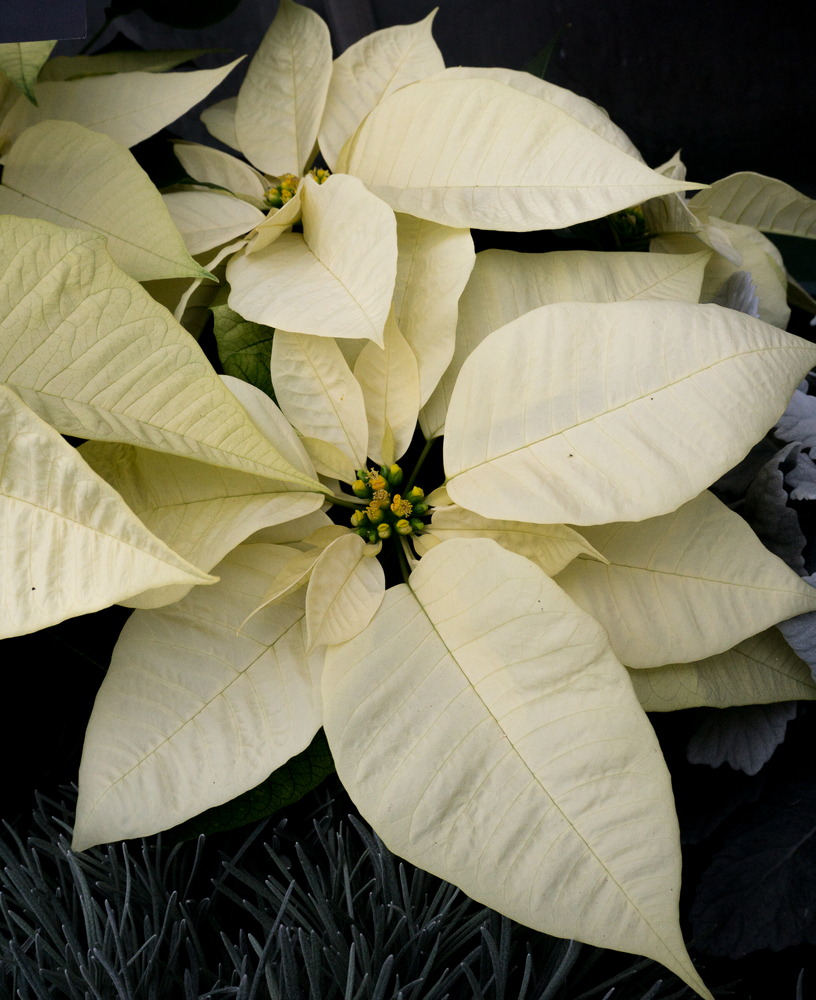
357	518
375	512
401	507
414	494
384	530
376	481
359	489
403	527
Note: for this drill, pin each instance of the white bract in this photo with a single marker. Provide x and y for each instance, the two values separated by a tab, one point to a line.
480	712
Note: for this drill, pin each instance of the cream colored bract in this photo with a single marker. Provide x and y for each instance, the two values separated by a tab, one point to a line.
480	712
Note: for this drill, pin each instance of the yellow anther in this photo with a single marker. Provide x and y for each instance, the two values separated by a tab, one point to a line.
374	512
401	507
376	481
320	175
381	496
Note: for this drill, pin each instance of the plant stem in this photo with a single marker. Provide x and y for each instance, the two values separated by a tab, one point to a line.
422	456
403	562
342	502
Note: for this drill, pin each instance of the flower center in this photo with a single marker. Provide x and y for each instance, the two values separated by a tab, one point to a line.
286	185
387	512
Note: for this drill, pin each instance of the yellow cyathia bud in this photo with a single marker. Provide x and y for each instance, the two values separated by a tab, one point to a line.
403	527
320	175
375	512
357	518
384	530
376	481
394	476
359	489
401	507
414	494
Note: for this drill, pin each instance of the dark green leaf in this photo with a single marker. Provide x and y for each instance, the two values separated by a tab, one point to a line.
283	787
244	348
538	65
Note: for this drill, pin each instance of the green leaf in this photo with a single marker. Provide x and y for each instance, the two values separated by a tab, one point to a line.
21	62
285	786
244	347
538	64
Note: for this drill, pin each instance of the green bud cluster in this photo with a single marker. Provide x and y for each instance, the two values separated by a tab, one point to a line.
388	512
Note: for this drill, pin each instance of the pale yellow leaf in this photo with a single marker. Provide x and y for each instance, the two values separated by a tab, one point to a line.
191	715
93	354
337	279
685	585
329	460
219	120
208	219
129	107
291	532
389	379
281	100
201	511
438	149
212	166
277	221
433	267
71	176
345	589
370	70
550	546
757	671
505	284
21	63
752	199
482	725
319	395
70	544
613	412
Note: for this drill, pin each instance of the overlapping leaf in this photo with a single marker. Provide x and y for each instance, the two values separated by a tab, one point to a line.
438	149
208	219
479	699
70	544
21	63
92	353
661	399
212	166
71	176
752	199
104	63
190	714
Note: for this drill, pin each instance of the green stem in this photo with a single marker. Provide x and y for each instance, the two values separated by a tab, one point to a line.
95	38
405	569
422	456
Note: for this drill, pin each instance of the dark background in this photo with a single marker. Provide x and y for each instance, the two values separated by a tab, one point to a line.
38	20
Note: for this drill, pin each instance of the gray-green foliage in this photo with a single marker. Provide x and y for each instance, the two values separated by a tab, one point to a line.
323	911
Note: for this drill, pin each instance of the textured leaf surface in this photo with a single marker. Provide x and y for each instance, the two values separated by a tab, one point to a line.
285	786
505	284
189	714
91	352
765	203
337	279
610	412
276	223
281	100
129	107
200	511
219	120
244	348
433	267
743	737
481	702
208	219
346	587
389	378
438	149
757	670
21	63
551	546
68	175
70	544
370	70
683	586
212	166
318	393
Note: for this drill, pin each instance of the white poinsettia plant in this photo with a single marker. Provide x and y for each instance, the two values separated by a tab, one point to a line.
487	714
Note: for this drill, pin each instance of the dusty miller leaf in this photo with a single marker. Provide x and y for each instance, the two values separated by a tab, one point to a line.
744	736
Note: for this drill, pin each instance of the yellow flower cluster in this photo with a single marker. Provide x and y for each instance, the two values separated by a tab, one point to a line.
387	512
286	185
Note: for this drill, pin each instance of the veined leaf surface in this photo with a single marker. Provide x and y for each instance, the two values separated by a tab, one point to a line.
281	100
213	166
71	176
219	120
70	544
481	701
208	219
479	153
683	586
757	671
752	199
337	279
190	714
370	70
93	354
21	63
129	107
613	412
